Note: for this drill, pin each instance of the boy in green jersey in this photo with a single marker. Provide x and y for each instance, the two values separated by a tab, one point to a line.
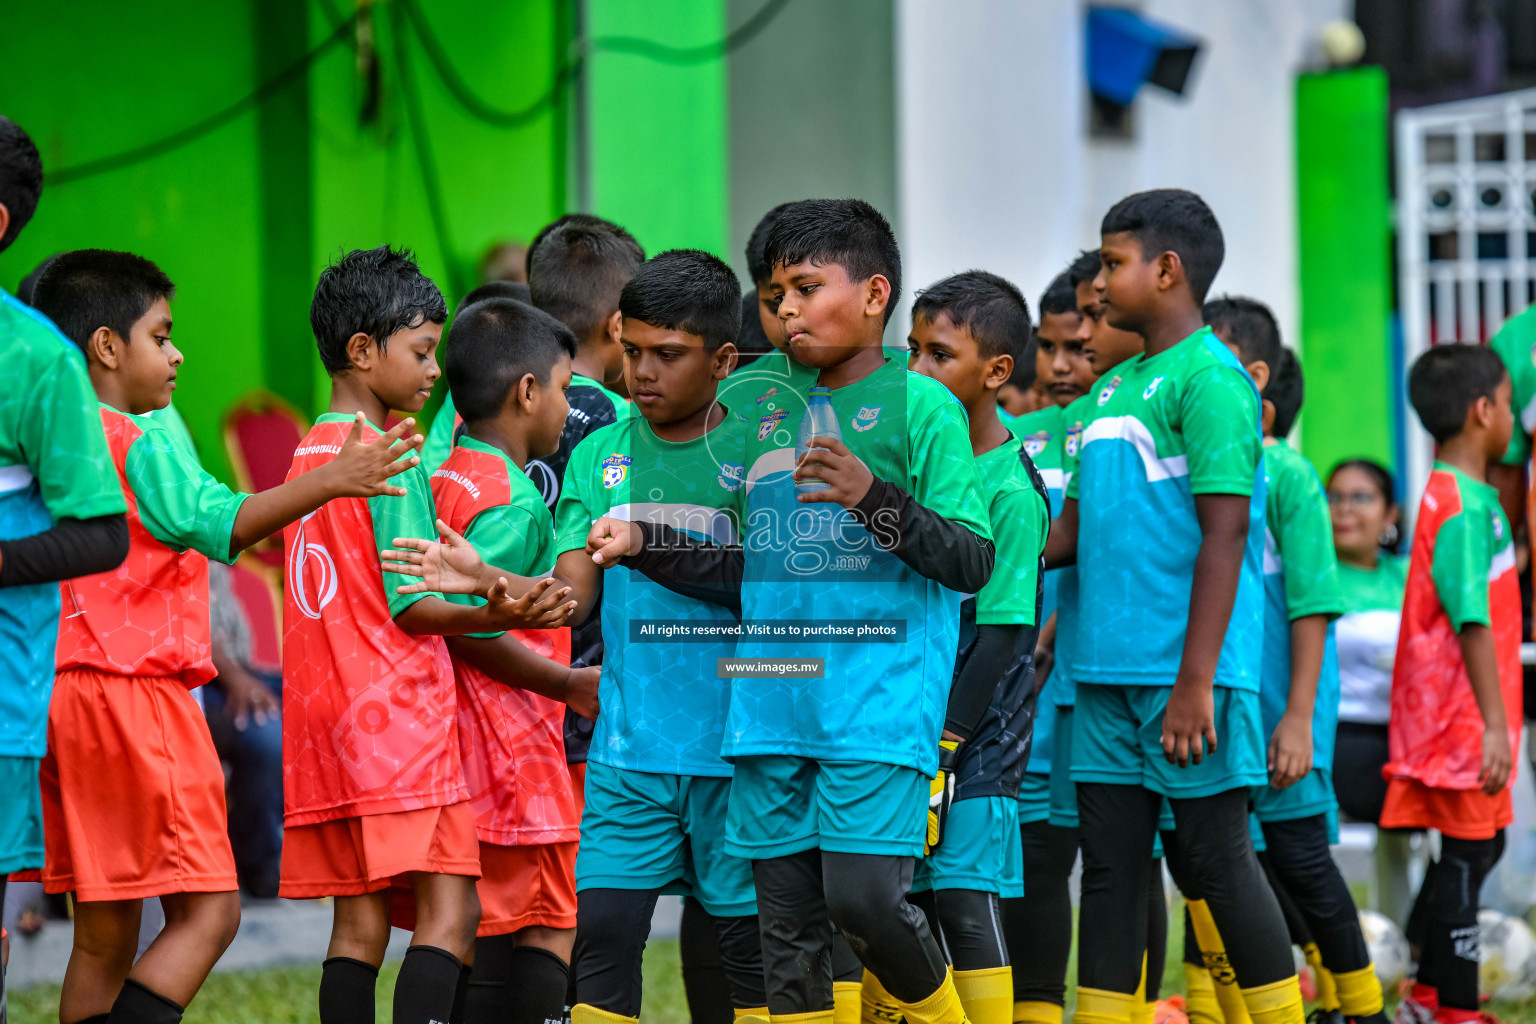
1299	682
1168	541
967	331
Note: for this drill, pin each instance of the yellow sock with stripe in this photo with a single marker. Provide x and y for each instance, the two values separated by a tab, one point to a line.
847	998
1214	951
1359	991
1200	1003
749	1015
987	995
1036	1013
1327	991
876	1005
814	1017
942	1007
1098	1006
1278	1002
583	1013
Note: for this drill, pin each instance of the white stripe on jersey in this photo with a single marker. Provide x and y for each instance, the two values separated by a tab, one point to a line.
1503	562
780	460
695	520
1055	479
14	478
1131	429
1273	563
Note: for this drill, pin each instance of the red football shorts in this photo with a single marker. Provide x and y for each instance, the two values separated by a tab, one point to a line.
133	793
524	886
353	856
1458	813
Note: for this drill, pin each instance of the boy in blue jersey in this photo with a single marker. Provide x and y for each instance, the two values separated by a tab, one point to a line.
967	331
1299	694
1168	541
833	774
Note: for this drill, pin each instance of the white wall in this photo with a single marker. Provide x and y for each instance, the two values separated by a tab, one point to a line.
995	167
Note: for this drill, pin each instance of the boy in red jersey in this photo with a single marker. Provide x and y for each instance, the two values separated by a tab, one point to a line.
1456	684
374	793
509	365
133	794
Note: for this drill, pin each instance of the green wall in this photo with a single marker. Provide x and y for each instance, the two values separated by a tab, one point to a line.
1344	219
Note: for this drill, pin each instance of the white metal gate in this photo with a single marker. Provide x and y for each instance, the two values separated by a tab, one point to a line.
1466	231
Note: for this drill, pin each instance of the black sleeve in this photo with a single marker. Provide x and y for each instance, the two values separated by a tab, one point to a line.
977	679
941	549
693	568
71	548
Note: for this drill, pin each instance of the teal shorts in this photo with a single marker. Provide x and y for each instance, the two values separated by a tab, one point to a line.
1063	789
1117	739
1034	802
1312	795
21	815
662	832
783	804
982	849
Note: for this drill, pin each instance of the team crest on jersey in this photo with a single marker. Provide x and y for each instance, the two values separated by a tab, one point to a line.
732	475
766	425
1109	389
1074	438
1498	527
1152	387
868	416
615	469
767	395
1034	444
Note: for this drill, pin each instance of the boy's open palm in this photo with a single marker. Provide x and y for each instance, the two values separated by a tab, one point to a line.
847	478
362	468
1189	725
451	566
545	605
1497	760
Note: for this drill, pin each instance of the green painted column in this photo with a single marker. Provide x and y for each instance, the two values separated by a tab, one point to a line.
657	134
1344	254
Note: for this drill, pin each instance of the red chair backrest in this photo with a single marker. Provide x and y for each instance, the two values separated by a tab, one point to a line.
261	432
258	601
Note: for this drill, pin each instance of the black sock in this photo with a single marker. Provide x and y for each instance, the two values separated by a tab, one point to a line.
537	981
704	981
487	989
460	996
138	1004
346	991
428	981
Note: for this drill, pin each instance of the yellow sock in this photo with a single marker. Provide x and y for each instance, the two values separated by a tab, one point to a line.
1200	996
846	997
582	1013
1327	992
942	1007
1142	1010
1214	951
986	995
814	1017
1359	991
876	1005
1036	1013
1276	1003
752	1015
1098	1006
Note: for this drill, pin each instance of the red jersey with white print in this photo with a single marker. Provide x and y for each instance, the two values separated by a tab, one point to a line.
512	740
368	709
149	616
1462	573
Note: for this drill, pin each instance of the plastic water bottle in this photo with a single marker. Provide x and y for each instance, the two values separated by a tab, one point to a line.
820	420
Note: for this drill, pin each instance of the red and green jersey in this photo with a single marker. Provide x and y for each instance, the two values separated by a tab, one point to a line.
1462	573
512	741
368	709
149	616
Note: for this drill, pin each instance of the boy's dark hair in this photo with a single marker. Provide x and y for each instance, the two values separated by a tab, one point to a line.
987	306
497	290
1085	267
1023	375
26	288
750	339
1286	391
1447	380
376	292
1060	296
494	343
21	178
757	264
90	288
686	290
578	269
586	219
1248	324
848	232
1172	220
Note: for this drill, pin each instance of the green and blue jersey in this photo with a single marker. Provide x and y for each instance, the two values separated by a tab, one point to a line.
1042	434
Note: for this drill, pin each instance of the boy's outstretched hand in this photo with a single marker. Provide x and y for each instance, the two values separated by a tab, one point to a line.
1290	751
543	606
451	566
1188	721
612	539
362	468
1497	760
847	478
